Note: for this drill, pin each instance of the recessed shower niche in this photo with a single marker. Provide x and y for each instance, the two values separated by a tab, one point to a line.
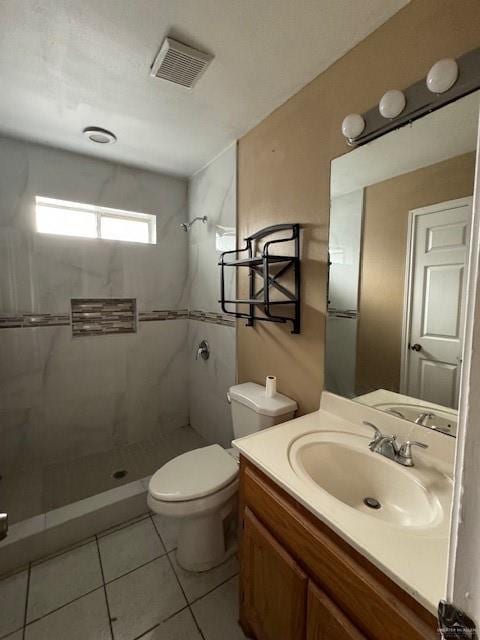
103	316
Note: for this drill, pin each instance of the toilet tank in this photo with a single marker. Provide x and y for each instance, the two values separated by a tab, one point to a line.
253	411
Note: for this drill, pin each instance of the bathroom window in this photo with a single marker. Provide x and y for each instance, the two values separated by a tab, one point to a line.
60	217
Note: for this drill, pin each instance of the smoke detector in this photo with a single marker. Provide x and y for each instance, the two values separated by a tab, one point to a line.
179	63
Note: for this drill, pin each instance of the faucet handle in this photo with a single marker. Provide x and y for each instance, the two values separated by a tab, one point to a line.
377	433
405	450
414	443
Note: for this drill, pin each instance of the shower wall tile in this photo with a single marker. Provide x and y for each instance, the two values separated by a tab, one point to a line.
209	381
40	272
211	192
63	398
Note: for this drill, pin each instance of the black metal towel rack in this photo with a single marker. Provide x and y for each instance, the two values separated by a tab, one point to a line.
267	268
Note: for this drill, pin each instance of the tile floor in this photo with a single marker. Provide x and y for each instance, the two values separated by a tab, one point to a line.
37	490
123	584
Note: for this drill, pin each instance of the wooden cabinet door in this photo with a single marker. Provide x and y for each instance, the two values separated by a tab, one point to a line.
273	587
325	621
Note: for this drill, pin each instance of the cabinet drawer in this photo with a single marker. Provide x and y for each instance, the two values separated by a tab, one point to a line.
374	604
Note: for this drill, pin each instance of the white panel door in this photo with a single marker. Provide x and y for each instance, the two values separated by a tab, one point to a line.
439	252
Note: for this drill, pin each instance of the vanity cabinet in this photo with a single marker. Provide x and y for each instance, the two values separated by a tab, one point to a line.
275	587
325	621
301	581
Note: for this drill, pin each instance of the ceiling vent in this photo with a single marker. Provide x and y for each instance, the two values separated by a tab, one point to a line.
180	64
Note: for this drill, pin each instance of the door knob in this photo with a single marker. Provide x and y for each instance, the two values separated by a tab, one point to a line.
416	347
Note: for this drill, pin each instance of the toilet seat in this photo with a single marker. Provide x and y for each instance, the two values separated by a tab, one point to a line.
196	507
194	475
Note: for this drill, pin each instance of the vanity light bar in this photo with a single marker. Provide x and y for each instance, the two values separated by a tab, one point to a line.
446	81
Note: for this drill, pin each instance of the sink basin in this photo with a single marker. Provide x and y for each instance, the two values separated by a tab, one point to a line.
342	465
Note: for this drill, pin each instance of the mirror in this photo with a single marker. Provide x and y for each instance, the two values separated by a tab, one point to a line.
398	266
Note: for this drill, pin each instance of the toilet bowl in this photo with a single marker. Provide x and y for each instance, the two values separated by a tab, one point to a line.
199	488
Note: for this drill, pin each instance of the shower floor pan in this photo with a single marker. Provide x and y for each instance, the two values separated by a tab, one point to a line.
63	503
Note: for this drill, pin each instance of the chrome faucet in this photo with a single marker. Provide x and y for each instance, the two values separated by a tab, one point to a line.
389	447
397	413
423	418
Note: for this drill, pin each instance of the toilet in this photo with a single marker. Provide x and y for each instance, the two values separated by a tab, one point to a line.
199	488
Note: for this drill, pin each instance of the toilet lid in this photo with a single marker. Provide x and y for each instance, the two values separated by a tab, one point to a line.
193	475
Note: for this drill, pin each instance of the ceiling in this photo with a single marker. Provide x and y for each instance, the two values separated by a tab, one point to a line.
68	64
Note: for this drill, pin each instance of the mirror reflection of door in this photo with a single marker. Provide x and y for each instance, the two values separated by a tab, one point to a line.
435	301
400	221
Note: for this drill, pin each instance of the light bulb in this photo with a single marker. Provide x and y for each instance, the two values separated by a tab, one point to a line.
442	75
352	126
392	104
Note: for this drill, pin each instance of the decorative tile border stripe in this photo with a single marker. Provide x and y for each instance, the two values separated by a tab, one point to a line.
197	314
116	317
168	314
21	320
94	316
343	313
212	317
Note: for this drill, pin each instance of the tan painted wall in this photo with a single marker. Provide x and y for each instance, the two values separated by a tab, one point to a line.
384	246
284	172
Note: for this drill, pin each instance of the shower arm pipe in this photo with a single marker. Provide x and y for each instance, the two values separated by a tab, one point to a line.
186	226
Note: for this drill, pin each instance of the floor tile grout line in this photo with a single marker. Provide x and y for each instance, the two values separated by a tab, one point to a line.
12	633
140	566
197	624
87	593
220	584
122	525
26	601
14	572
179	583
155	626
105	583
73	547
158	533
22	627
104	589
78	545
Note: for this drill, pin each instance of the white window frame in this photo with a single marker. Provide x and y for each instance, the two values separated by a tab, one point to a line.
101	212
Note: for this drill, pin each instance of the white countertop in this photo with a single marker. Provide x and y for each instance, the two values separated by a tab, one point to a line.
414	558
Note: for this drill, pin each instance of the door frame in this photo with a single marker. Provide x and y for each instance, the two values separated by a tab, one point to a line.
463	574
413	215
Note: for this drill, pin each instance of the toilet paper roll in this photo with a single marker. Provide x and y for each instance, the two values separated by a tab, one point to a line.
270	386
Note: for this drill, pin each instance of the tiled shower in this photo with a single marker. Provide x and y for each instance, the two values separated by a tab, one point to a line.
99	384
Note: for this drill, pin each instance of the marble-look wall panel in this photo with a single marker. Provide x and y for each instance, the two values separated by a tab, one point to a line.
40	273
209	381
211	192
64	397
